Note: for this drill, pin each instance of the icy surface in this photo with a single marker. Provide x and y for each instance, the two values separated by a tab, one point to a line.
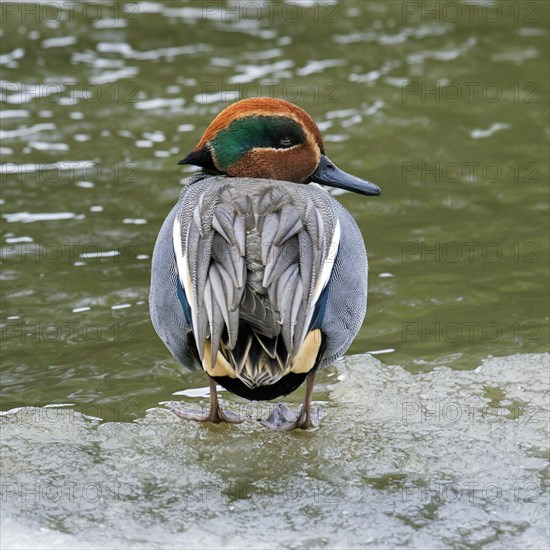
445	458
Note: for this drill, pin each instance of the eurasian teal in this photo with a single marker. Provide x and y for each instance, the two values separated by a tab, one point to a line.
259	275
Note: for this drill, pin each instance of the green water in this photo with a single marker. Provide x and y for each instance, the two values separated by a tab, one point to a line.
444	105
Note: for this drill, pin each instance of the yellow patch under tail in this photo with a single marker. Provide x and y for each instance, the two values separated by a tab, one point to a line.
307	354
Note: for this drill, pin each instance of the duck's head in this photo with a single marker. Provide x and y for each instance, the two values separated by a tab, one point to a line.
272	139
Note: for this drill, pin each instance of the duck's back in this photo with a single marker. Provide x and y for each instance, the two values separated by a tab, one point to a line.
258	281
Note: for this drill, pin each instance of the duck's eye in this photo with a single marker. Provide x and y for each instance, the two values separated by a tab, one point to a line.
285	141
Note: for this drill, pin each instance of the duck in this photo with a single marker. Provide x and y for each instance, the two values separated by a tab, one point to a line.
259	275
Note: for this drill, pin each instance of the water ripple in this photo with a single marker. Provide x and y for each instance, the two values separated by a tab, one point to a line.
159	103
27	130
129	53
115	76
496	127
58	42
48	146
27	217
441	54
14	113
8	58
250	72
315	66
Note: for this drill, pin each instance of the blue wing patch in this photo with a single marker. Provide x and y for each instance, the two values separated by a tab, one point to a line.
183	301
319	311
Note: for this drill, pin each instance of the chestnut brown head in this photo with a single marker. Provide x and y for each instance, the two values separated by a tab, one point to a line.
270	139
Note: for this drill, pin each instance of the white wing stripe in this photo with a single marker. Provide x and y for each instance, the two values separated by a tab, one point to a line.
324	277
185	277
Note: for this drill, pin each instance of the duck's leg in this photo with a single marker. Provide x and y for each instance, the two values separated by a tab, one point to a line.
215	413
281	418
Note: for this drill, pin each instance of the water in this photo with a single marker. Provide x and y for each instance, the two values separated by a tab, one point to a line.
440	439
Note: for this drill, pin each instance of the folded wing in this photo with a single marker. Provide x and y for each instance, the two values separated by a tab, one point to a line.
253	261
